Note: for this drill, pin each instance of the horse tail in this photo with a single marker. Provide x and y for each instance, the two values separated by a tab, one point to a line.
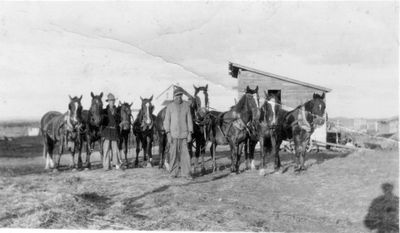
44	150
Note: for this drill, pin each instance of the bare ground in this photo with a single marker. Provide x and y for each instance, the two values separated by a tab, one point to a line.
333	195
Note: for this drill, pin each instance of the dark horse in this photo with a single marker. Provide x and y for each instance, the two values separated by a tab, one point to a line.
233	127
162	138
200	123
252	138
298	125
271	113
125	112
63	129
91	125
143	128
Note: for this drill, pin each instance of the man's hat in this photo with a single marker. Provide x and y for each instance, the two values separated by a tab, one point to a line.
178	91
110	96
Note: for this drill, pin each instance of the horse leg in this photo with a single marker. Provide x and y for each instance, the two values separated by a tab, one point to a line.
161	150
126	149
45	153
262	155
233	157
101	149
213	153
73	165
275	151
246	153
50	155
303	154
251	155
80	152
137	151
149	152
196	156
238	153
298	149
203	152
89	146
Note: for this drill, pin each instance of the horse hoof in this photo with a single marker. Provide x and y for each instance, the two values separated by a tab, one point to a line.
203	170
87	169
262	172
55	170
149	165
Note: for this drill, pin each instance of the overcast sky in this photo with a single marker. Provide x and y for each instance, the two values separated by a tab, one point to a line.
133	49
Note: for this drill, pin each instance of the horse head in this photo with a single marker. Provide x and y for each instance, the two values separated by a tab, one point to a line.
75	111
96	108
316	107
126	115
146	111
200	110
270	109
254	93
247	106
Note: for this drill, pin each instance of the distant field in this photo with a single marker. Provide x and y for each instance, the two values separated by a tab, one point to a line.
21	147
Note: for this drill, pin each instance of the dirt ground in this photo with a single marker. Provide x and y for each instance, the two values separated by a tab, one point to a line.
333	195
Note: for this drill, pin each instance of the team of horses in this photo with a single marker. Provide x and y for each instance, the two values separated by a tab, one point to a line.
241	127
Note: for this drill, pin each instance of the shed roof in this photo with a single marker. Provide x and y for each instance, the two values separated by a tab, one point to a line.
234	68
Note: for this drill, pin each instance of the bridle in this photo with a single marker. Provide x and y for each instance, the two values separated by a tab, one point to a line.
95	108
142	116
127	120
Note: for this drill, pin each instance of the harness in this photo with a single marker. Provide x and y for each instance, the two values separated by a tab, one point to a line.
238	124
302	121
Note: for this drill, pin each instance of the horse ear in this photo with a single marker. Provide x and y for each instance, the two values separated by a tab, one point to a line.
194	87
80	98
151	98
91	94
101	95
130	105
265	93
141	98
207	86
256	89
314	95
323	95
70	98
119	102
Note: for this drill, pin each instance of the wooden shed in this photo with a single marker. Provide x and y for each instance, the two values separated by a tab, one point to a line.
291	92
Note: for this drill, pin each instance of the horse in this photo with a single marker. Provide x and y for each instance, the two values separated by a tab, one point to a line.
91	128
200	123
271	113
252	140
233	127
125	112
63	129
162	138
143	128
298	125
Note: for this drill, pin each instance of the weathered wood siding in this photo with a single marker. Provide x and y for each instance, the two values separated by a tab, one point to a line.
292	94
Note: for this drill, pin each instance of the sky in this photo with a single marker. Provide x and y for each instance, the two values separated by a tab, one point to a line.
49	50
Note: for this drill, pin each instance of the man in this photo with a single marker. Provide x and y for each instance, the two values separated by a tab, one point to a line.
110	134
179	127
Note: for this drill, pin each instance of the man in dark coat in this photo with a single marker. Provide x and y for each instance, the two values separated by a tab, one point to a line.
179	127
110	134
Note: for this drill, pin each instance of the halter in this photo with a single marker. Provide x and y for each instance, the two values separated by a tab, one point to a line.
144	125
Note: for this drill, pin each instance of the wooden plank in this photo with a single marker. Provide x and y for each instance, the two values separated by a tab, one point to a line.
334	145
